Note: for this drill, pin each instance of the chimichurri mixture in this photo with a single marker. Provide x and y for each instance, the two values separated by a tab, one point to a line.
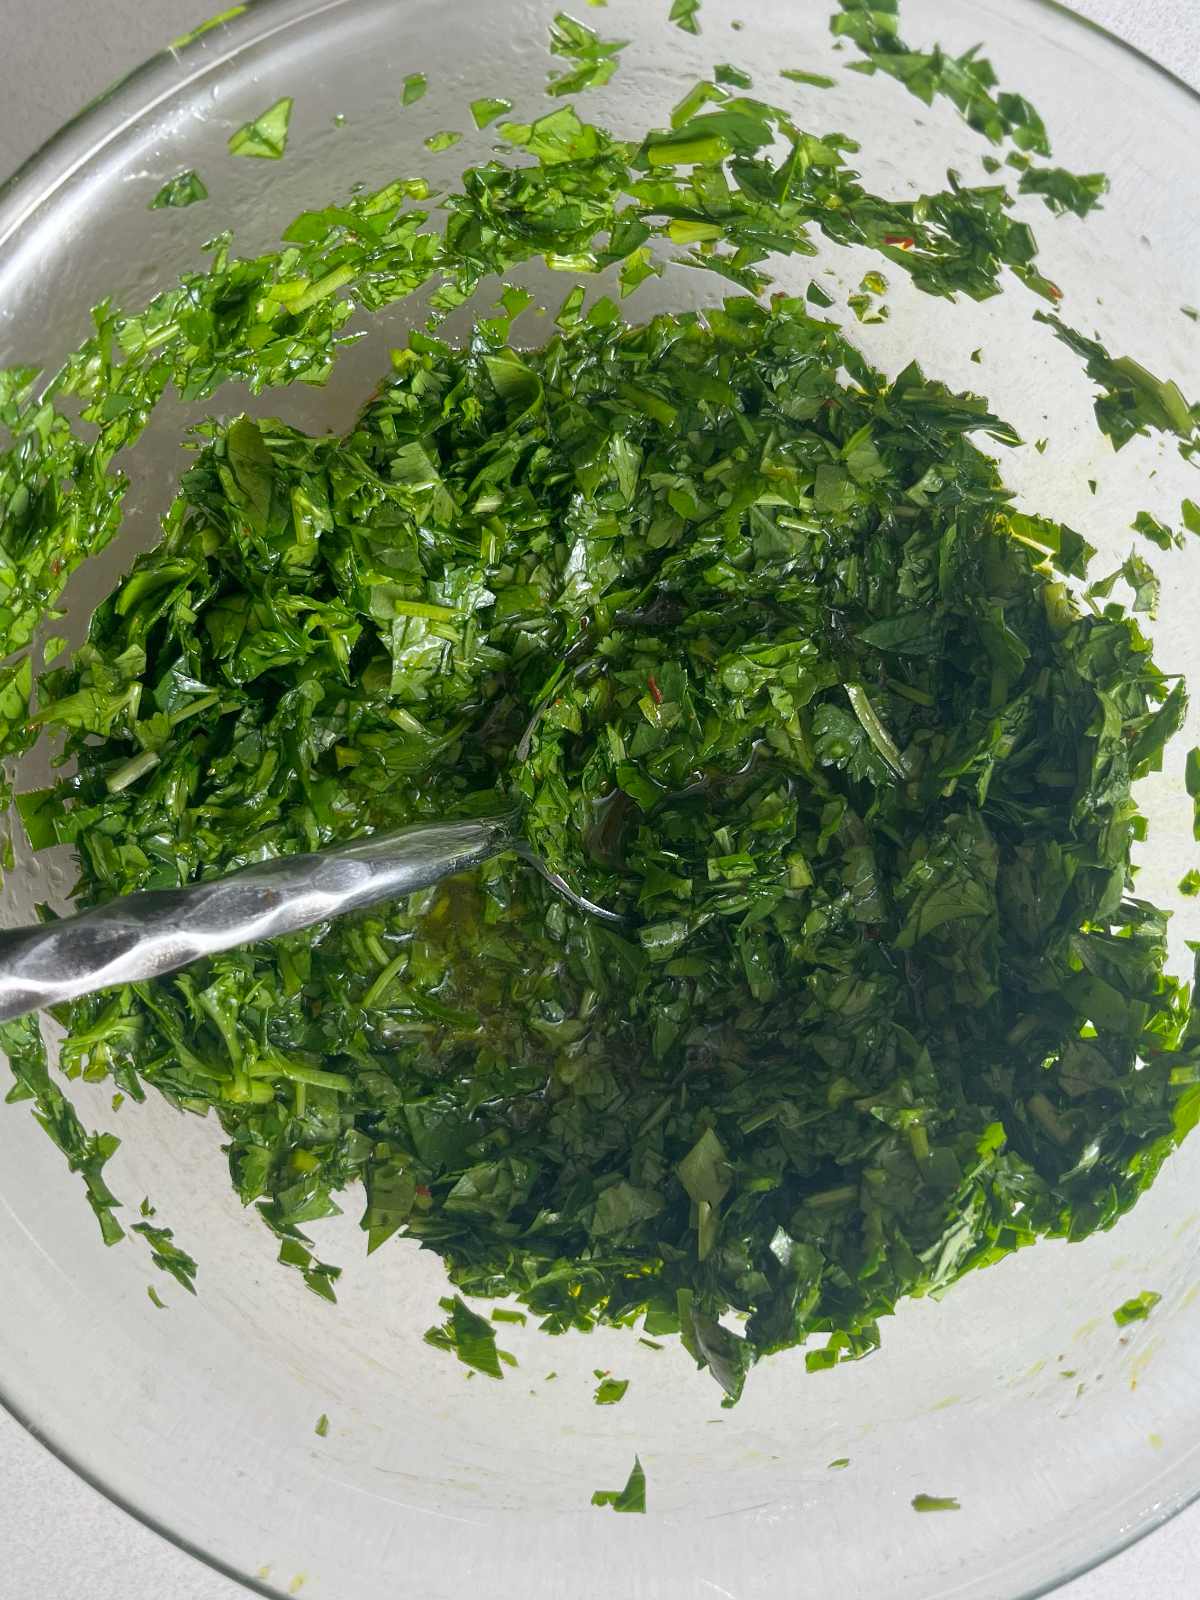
759	646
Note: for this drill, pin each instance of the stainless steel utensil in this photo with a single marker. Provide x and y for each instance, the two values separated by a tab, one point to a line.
145	935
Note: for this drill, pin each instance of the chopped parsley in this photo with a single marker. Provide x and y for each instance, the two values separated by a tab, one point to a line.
631	1498
184	189
486	110
1137	1309
594	59
267	136
935	1502
815	80
685	14
756	643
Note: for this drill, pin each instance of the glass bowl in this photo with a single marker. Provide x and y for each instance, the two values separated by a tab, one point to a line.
1063	1436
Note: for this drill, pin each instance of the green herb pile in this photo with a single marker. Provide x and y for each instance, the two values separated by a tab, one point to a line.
775	669
759	647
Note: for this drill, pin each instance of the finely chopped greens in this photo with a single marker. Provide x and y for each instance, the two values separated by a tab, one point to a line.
759	647
772	666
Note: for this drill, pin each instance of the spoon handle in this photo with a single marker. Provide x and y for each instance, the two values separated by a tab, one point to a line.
153	932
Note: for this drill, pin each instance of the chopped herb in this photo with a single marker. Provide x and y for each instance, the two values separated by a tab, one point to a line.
502	1314
486	111
443	140
1189	884
155	1298
167	1255
595	59
1140	577
631	1498
1137	1309
685	14
934	1502
1191	517
322	1428
267	136
470	1336
757	642
1132	400
732	77
1065	191
198	32
1191	312
413	88
1157	532
967	81
840	1464
815	80
610	1391
184	189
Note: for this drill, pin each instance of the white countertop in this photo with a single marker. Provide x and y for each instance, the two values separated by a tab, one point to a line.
59	1538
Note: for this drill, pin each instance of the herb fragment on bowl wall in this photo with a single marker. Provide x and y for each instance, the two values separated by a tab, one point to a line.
486	110
267	136
814	80
1137	1309
685	14
935	1502
631	1498
595	59
184	189
470	1337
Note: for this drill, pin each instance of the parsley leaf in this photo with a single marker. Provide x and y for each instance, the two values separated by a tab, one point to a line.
1137	1309
184	189
267	136
631	1498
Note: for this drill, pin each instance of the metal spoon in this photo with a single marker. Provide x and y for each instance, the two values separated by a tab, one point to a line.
148	934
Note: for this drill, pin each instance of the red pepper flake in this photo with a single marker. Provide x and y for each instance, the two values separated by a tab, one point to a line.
424	1192
901	239
55	567
1054	291
655	691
